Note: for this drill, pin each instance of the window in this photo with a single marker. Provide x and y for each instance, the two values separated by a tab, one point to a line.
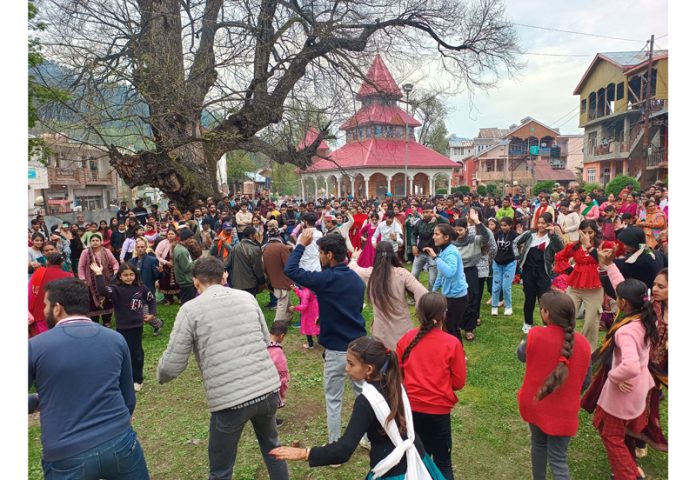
591	175
378	131
583	106
399	132
93	165
390	132
620	91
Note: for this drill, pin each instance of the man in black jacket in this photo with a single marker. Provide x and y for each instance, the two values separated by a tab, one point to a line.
422	237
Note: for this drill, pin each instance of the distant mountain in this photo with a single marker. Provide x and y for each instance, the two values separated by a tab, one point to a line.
112	99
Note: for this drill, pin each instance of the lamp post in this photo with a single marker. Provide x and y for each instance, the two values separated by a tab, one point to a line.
408	87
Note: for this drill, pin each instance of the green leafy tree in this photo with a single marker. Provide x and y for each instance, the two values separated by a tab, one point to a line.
481	190
545	186
619	183
284	179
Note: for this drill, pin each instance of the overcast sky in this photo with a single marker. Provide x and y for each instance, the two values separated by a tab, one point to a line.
544	89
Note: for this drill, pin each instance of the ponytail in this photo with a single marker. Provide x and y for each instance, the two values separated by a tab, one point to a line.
431	306
371	351
562	313
635	293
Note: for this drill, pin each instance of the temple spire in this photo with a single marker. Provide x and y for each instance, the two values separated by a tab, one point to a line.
379	82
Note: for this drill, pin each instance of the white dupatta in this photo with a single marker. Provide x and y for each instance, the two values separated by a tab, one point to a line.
415	468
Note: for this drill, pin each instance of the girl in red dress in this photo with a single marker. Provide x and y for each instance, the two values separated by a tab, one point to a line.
583	277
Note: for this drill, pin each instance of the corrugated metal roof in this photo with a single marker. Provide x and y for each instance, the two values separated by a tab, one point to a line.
460	142
379	152
628	59
493	132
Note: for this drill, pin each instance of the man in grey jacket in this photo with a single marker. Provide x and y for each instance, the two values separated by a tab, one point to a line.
226	330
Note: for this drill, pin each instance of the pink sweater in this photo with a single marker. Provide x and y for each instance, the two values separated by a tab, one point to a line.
629	363
275	350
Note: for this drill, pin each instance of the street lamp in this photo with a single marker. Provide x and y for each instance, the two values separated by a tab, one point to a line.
408	87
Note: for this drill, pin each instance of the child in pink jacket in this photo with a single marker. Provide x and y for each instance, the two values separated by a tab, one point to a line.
278	330
309	311
622	403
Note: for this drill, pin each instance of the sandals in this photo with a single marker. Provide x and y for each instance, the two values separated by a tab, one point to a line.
469	336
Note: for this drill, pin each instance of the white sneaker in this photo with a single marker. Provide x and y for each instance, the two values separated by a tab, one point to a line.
365	443
494	311
137	386
508	312
526	328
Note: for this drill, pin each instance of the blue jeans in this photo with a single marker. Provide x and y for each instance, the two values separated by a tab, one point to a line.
421	262
120	458
503	275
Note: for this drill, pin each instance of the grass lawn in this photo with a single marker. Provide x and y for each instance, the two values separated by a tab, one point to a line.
490	440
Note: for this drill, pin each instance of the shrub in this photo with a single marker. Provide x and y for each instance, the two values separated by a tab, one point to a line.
463	189
619	183
588	187
545	186
481	190
492	189
441	191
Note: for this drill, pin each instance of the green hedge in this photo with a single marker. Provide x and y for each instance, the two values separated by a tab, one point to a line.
619	183
545	186
463	189
481	190
588	187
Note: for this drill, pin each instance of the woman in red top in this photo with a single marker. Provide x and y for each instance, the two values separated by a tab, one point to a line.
359	218
629	206
558	360
583	283
434	366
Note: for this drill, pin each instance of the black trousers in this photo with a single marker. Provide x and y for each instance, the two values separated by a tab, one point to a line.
134	339
455	315
471	313
535	283
187	293
435	431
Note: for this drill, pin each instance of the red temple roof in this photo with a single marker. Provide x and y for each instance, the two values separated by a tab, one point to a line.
312	135
381	114
379	152
379	81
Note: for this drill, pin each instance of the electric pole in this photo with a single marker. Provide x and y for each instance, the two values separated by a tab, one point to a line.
647	104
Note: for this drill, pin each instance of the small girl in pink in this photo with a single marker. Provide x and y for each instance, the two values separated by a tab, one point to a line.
309	311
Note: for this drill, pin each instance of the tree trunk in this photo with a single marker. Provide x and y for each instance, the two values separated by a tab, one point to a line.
184	175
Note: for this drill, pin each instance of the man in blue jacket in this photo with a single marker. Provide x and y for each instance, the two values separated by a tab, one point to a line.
82	372
340	293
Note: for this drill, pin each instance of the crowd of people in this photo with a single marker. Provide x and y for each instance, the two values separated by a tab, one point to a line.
578	254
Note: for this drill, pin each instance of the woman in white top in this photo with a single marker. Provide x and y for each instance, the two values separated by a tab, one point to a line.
569	222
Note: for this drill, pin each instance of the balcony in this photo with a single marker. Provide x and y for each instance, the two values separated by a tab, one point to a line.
609	151
657	158
503	176
66	176
79	176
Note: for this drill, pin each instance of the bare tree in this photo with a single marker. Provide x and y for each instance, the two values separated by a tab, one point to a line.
247	64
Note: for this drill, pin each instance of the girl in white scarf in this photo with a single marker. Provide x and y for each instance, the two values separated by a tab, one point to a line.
382	411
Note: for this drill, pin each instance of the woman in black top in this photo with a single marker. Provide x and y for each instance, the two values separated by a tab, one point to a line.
539	249
369	360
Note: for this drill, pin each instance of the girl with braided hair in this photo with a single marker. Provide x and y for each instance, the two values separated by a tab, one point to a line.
558	367
434	367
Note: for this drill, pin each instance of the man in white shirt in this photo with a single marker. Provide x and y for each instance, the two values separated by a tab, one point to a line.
243	216
310	257
390	231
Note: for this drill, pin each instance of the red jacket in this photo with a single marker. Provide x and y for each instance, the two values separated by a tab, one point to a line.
557	413
434	369
585	272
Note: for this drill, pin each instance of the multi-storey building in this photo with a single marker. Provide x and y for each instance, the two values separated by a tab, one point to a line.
618	108
78	175
526	154
461	150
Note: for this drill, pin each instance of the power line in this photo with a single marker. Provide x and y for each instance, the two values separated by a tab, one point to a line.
661	36
577	33
564	116
557	54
